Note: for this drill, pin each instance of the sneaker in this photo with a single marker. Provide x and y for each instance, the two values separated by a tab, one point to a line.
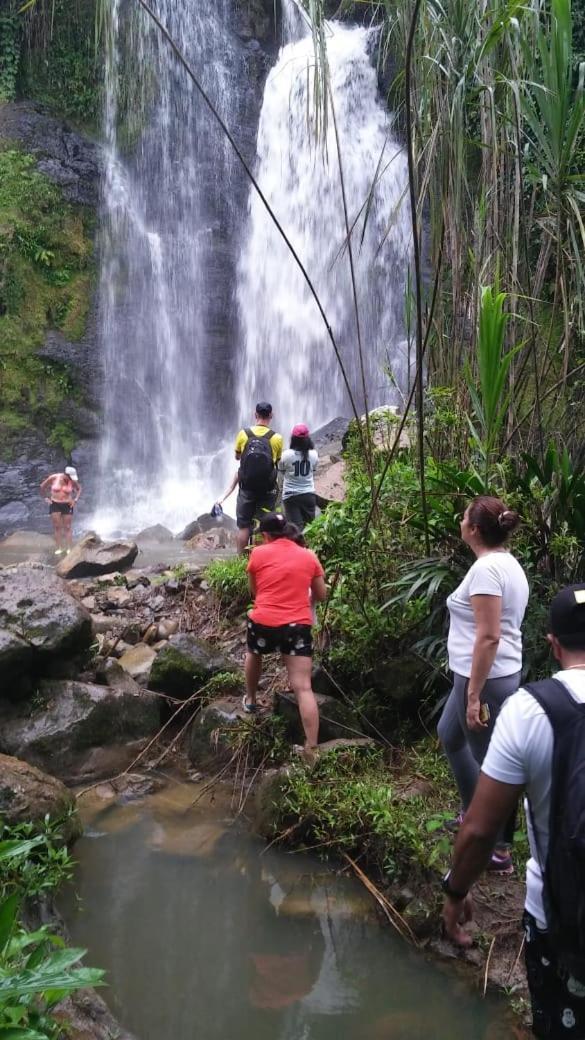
59	552
454	824
500	863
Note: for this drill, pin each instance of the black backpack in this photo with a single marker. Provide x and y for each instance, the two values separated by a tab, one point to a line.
564	870
257	469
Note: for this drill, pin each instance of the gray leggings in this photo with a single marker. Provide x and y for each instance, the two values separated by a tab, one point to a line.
464	748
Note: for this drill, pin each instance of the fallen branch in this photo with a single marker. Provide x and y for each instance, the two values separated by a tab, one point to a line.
394	918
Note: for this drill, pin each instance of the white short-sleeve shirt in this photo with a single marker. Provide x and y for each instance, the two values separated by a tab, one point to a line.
520	752
299	472
495	574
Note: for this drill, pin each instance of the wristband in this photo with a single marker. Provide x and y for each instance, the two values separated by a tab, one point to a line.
450	892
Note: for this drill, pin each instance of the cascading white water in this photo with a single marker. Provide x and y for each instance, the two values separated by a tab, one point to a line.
288	357
166	216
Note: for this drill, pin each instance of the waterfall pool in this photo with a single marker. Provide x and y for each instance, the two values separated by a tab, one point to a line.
207	935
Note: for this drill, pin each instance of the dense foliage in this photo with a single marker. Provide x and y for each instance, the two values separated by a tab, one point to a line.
46	267
37	969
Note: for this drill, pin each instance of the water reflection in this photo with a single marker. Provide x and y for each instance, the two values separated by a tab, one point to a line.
205	937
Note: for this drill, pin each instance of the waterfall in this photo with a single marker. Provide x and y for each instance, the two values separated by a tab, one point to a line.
288	358
165	296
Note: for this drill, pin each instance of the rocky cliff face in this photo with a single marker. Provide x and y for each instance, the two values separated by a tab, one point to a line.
38	439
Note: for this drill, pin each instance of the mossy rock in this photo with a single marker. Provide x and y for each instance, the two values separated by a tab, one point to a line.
209	743
185	666
336	719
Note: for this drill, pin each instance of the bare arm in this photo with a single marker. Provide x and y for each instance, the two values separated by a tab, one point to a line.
493	803
487	611
318	590
231	487
46	482
76	491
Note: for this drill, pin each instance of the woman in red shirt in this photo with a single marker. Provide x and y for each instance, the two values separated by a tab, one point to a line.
285	579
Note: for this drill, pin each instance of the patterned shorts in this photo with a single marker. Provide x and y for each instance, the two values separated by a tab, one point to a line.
558	999
292	640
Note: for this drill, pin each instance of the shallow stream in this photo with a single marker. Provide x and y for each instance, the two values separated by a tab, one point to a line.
206	935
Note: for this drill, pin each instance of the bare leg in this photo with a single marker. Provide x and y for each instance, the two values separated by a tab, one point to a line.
242	537
252	672
57	529
67	526
299	676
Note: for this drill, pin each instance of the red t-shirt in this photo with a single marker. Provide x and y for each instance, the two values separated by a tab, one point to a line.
283	572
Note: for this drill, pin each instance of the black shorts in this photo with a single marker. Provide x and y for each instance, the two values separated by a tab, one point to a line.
61	507
250	506
292	640
558	999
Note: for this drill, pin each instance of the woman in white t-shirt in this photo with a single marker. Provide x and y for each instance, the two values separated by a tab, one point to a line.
298	464
485	648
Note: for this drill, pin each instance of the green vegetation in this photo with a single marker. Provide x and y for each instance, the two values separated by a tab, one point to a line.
58	60
46	271
37	970
229	582
353	801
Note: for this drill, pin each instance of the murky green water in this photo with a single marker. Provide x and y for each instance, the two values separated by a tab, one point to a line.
206	937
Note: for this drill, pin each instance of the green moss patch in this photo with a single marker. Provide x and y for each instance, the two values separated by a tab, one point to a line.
46	273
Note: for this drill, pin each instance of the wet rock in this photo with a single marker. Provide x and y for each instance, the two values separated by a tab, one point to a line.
185	665
92	556
207	522
86	1016
150	634
79	730
103	623
13	512
136	578
208	743
328	439
109	672
138	662
71	161
335	718
166	628
330	484
399	682
118	598
157	533
88	602
27	795
39	622
189	531
214	538
267	800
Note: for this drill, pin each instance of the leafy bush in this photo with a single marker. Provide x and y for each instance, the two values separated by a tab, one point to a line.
351	801
229	583
36	968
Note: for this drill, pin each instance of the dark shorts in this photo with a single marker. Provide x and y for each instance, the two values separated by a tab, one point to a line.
558	999
61	507
293	640
250	506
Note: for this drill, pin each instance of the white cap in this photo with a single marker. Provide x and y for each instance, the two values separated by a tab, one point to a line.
71	472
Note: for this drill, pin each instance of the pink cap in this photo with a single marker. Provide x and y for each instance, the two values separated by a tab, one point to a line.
300	430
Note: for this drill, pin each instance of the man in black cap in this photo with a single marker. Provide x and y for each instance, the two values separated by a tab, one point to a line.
529	738
258	450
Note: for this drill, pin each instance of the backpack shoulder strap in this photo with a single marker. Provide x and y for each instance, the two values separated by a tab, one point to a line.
554	697
269	434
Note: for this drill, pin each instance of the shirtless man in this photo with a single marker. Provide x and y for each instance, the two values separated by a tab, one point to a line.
62	491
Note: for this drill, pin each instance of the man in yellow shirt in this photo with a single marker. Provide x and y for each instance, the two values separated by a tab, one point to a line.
258	450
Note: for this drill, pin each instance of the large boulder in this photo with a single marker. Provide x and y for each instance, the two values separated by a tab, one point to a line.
40	622
91	556
77	730
28	795
156	534
335	718
185	665
209	735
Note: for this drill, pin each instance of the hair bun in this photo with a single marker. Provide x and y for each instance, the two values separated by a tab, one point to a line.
508	519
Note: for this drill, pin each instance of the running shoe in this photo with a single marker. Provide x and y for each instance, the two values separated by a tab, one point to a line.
500	863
